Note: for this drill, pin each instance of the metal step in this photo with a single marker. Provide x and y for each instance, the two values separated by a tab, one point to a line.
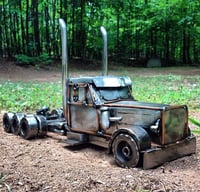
73	142
74	138
99	141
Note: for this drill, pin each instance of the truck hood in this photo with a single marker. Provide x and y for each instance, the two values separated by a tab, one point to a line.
140	113
136	104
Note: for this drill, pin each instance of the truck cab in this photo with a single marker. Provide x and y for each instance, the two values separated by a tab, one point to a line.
87	98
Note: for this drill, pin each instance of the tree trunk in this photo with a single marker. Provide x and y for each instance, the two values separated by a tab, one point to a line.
36	27
73	29
15	45
54	26
167	38
1	32
7	39
184	48
82	31
167	48
118	20
22	28
28	51
47	34
188	60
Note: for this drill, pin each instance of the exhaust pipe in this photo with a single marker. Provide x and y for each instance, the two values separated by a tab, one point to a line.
65	70
105	52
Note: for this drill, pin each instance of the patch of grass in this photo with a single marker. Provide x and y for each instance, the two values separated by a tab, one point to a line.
168	89
19	96
3	182
195	122
1	177
197	131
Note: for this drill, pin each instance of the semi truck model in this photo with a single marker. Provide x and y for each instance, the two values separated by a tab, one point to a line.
101	110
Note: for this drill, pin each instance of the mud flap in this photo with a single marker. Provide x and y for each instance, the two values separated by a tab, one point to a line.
157	156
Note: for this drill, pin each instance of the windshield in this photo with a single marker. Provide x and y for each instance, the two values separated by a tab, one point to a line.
114	93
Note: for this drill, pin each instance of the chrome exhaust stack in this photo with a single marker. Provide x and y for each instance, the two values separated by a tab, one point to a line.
65	68
105	52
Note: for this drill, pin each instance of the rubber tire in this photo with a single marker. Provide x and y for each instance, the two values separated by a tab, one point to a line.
29	127
125	151
7	122
15	129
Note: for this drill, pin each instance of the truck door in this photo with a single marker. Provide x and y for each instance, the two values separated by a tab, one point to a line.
83	115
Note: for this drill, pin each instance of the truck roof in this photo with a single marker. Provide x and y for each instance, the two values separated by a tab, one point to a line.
104	81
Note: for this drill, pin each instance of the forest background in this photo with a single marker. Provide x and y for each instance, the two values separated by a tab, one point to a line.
137	30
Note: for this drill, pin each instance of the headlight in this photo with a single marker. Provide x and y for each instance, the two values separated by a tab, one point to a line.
155	127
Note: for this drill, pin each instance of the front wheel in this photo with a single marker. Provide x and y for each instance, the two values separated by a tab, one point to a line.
125	151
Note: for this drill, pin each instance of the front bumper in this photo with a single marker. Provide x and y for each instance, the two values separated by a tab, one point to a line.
156	156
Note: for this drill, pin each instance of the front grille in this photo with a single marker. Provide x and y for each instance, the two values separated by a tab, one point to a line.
175	125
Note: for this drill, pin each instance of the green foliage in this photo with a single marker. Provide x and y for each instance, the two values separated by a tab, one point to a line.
24	59
44	59
38	61
3	182
1	177
197	131
140	29
20	96
195	122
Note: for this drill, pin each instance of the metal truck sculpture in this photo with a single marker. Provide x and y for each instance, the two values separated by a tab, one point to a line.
102	111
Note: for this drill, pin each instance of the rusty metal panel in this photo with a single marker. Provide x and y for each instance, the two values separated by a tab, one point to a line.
175	125
138	117
84	118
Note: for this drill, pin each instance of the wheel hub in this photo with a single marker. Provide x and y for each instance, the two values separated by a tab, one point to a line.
126	151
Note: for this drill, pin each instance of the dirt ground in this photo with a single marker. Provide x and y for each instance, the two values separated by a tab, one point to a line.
48	165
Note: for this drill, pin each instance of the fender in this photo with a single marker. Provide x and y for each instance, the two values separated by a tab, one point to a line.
138	133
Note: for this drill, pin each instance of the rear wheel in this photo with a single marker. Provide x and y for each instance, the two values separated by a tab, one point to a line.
29	127
7	122
125	151
15	128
